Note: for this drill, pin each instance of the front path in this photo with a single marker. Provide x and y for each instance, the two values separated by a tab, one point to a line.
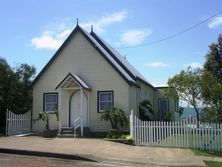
101	150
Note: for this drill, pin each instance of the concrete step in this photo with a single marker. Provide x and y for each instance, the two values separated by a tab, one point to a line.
67	130
67	135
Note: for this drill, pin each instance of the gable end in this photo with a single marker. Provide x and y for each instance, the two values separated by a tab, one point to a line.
78	28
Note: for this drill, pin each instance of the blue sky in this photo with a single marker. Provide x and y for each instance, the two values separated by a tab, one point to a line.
31	31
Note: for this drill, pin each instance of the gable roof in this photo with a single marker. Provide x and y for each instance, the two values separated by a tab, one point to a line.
72	79
121	65
121	60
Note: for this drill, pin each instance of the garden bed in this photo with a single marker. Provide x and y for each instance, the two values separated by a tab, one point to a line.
124	141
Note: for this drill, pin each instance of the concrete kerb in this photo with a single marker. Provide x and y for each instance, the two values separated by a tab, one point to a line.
46	154
89	158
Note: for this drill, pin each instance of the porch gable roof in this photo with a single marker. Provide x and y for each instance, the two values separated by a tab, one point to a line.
72	80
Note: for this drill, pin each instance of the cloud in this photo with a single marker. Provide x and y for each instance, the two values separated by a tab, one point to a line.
135	37
156	64
47	41
215	22
100	24
64	33
56	33
193	65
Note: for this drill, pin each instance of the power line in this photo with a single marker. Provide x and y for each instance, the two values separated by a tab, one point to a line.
174	35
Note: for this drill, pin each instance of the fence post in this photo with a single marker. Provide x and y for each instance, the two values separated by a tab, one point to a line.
131	123
6	130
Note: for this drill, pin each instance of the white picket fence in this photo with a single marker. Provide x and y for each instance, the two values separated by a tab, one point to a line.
18	123
183	134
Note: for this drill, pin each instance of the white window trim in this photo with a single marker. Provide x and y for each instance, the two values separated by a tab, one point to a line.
45	103
105	92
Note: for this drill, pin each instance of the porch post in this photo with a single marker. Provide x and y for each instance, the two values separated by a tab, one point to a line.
88	108
81	115
59	108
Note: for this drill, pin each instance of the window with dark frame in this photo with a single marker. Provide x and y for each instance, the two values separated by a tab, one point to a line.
105	100
50	102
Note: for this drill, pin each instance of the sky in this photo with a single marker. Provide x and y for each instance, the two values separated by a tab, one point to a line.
32	31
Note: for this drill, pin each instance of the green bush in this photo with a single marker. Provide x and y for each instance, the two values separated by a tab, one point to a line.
114	134
117	118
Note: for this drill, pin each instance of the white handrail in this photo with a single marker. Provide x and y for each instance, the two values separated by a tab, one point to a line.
60	128
76	126
78	118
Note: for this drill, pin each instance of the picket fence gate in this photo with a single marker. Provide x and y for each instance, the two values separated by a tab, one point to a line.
187	133
18	123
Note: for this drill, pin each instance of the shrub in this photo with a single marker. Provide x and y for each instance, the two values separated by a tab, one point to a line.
116	116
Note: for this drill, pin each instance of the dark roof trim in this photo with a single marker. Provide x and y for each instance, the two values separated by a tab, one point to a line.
104	56
162	87
78	28
146	83
70	74
55	55
113	56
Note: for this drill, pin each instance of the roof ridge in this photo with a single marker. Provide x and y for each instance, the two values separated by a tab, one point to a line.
133	72
97	38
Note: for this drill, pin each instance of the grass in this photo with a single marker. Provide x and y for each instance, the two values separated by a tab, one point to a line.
207	153
213	164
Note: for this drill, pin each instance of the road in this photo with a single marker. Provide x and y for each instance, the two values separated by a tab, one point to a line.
12	160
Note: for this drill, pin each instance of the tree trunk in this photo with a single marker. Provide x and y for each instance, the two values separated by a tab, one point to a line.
198	115
112	124
47	123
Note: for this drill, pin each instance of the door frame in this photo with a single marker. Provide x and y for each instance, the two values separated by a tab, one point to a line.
70	98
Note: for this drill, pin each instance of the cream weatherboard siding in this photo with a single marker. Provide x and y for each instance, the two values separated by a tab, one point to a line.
134	99
81	58
172	104
146	92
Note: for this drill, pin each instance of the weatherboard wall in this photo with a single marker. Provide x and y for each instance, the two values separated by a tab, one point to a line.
81	58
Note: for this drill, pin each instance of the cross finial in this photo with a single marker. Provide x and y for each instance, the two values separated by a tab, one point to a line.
91	28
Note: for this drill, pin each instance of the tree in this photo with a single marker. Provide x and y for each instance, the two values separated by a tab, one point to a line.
212	83
187	86
212	97
214	59
22	101
15	89
7	85
116	116
145	110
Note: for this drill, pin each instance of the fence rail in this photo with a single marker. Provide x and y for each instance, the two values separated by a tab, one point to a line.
187	133
18	123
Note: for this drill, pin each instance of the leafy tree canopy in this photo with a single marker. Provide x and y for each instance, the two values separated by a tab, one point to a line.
214	59
212	97
187	86
15	87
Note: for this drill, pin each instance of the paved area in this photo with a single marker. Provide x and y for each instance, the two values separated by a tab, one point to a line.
105	151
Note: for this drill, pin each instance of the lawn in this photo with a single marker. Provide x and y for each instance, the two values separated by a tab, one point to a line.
207	153
213	164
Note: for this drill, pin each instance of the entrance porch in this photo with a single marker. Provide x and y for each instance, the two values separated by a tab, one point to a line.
73	105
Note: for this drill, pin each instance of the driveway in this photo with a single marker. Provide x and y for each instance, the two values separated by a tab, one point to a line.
104	151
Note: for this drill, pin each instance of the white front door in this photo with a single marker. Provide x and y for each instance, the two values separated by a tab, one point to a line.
75	107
